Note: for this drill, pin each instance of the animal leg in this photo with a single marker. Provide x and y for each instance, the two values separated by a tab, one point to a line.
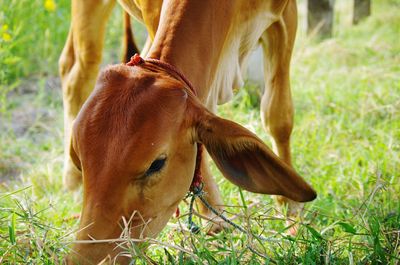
129	45
212	195
79	65
276	103
146	47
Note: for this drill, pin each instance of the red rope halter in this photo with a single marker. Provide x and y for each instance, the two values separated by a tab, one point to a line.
136	60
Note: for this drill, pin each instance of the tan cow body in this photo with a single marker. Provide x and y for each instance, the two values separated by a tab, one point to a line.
134	141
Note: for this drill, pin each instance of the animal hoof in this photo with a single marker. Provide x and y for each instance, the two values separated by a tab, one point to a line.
293	228
72	176
217	225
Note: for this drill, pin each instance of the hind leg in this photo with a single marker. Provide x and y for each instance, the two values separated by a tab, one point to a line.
79	65
276	103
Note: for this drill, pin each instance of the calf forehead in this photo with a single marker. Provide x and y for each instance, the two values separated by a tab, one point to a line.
130	109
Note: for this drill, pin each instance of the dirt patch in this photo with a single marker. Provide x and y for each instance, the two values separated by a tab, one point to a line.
33	119
10	169
30	104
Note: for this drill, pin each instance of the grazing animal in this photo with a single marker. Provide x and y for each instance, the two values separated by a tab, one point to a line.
134	142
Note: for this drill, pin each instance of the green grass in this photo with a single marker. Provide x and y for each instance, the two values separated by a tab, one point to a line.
346	142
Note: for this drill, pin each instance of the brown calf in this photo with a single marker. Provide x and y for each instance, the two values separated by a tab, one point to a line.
133	144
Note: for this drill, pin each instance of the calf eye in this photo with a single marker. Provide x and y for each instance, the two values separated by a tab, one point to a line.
156	166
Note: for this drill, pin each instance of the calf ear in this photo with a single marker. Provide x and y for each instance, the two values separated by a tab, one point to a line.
247	162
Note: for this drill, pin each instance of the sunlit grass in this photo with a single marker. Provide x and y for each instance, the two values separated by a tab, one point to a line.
345	142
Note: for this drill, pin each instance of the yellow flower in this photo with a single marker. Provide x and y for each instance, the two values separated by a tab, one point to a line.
5	27
6	36
50	5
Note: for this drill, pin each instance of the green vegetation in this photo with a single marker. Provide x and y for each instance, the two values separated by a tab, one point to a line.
346	142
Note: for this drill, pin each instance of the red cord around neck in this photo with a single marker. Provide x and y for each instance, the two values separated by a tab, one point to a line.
170	69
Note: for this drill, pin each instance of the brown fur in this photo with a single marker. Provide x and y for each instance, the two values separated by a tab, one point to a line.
138	114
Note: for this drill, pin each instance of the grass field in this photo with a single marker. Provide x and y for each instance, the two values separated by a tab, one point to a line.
346	142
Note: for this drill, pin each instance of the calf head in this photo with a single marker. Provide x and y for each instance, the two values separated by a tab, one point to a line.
135	144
